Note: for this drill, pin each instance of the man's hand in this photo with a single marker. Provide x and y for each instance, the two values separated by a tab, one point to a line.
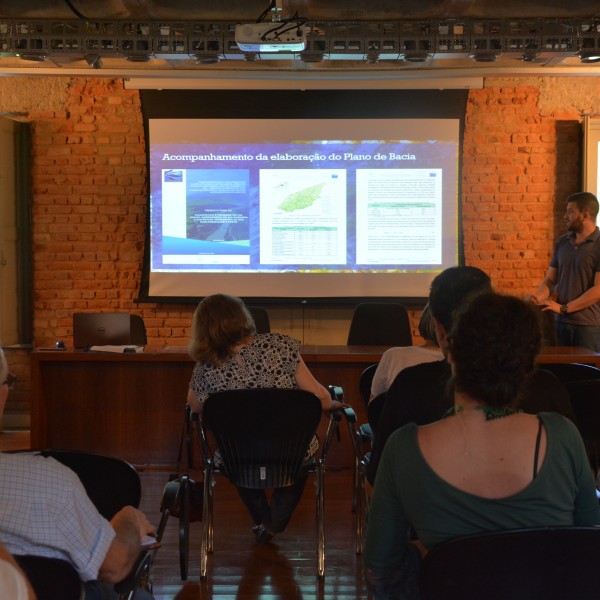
130	524
550	305
534	299
135	516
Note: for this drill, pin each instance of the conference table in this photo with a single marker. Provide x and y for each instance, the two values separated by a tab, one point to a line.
132	405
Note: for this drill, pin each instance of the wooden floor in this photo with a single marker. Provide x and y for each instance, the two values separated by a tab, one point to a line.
239	568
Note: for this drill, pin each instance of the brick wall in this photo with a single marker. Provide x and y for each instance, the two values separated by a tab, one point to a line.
520	159
89	212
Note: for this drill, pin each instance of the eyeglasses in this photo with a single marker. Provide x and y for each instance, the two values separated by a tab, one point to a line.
10	380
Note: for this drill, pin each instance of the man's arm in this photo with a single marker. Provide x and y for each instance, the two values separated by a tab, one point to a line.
130	525
542	294
589	297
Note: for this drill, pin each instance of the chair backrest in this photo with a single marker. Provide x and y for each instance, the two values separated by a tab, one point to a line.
262	434
261	319
585	398
364	383
551	563
567	372
51	578
110	482
380	324
374	411
548	326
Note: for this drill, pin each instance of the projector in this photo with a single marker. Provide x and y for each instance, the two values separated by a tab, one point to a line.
270	37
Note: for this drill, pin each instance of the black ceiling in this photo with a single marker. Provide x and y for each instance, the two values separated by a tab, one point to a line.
249	10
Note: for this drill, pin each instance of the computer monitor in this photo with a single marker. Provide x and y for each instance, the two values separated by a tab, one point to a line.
108	328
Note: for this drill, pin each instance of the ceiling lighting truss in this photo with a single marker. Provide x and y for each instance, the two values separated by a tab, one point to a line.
203	43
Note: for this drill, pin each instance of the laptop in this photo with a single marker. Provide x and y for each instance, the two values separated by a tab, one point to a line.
107	328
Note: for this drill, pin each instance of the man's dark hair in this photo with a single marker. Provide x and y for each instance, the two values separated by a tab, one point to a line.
585	201
452	287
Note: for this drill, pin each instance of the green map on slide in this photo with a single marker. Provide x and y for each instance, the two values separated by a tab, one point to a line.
302	199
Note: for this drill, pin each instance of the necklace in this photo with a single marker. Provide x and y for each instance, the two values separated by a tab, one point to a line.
491	412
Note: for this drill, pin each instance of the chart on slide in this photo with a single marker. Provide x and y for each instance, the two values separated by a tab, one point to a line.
398	216
302	216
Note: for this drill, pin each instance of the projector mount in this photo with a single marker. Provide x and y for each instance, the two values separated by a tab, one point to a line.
280	35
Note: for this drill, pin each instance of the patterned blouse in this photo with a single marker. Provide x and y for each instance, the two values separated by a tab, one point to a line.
269	361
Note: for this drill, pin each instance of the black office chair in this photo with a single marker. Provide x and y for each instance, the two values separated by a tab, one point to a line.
261	319
380	324
585	398
51	578
262	436
569	372
554	563
364	390
360	498
374	411
364	383
111	483
548	327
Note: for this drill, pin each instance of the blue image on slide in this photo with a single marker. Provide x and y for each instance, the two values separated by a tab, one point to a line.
181	246
173	175
217	205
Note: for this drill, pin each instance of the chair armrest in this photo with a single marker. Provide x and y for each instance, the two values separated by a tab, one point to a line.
336	392
139	570
349	414
335	416
202	438
355	436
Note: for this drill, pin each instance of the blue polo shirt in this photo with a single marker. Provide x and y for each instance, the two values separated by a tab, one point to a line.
577	266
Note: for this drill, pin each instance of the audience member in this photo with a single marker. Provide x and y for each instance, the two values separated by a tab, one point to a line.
571	288
46	512
486	465
419	394
395	359
229	354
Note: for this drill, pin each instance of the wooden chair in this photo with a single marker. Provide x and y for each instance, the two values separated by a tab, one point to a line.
554	563
262	436
380	324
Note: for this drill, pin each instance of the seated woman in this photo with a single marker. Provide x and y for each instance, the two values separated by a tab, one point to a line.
486	466
395	359
229	354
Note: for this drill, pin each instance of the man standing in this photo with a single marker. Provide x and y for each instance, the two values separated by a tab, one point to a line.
571	288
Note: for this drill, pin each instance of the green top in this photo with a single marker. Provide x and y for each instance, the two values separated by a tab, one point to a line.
408	492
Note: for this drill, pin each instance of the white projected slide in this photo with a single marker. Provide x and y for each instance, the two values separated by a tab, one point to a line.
315	208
